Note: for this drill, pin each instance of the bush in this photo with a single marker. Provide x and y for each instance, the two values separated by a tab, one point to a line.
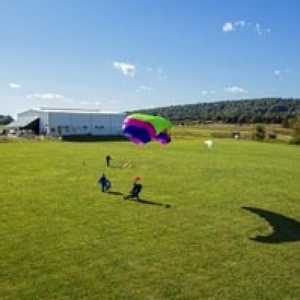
260	133
296	134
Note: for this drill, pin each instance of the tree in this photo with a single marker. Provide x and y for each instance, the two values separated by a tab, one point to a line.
260	132
296	133
4	120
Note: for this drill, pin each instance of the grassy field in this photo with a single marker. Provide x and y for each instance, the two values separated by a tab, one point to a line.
232	230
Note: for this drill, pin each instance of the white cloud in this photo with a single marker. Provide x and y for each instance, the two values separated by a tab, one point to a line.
228	27
159	71
46	96
125	68
208	92
144	88
240	23
236	90
277	72
268	30
256	28
14	85
282	73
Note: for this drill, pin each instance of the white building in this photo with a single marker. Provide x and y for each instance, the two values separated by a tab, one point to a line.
67	122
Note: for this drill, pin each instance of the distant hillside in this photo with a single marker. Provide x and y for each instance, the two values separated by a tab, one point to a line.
265	110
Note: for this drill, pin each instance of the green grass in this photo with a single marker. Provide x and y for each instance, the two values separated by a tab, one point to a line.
61	238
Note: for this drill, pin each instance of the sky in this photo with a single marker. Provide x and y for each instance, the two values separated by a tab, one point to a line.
120	55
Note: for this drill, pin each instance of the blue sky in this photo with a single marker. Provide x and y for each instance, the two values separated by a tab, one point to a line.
122	55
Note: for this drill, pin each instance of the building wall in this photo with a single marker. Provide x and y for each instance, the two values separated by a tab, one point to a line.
85	123
58	123
101	125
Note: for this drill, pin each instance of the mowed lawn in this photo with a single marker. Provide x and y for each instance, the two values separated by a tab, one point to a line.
232	230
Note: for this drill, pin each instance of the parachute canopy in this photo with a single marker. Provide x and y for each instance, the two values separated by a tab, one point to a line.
142	128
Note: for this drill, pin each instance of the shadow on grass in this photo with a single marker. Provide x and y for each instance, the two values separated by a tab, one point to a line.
285	229
115	193
148	202
142	201
94	138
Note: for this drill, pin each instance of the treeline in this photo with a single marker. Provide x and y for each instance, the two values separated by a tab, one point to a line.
265	110
4	120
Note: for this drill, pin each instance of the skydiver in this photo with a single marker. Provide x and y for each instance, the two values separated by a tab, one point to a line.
105	183
136	189
108	159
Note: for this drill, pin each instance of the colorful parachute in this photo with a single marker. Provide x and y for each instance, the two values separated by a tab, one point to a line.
142	129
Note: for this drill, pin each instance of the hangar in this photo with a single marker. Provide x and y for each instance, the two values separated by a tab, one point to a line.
70	122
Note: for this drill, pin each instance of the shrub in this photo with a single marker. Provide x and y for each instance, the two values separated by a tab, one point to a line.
260	133
296	133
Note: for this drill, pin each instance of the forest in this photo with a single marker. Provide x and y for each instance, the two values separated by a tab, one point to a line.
246	111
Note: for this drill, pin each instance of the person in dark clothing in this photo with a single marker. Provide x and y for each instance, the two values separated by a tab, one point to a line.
136	189
108	159
105	183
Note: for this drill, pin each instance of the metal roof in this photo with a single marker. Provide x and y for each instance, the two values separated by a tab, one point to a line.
22	122
78	111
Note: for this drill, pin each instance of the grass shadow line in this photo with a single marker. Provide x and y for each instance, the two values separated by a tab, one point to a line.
115	193
150	202
141	201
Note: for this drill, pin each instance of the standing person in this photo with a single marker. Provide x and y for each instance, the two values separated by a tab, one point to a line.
136	189
108	159
105	183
